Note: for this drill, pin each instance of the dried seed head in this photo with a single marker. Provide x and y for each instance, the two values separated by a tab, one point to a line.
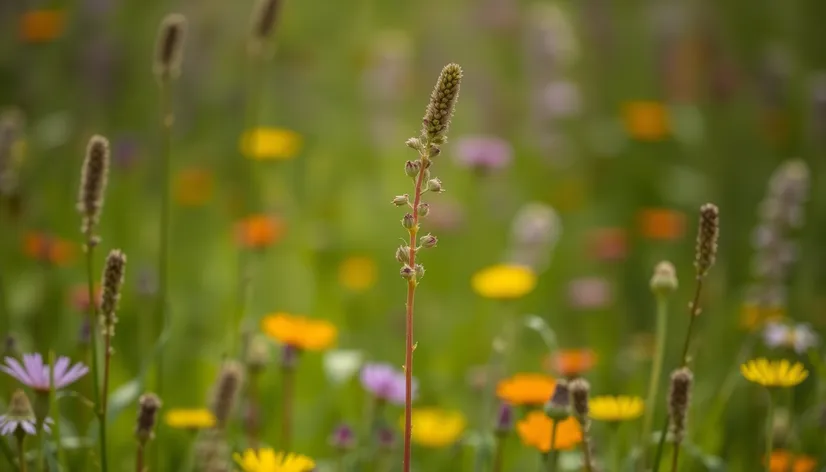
419	269
169	49
148	406
411	168
580	390
226	392
113	274
709	230
679	397
664	280
428	241
263	19
407	272
424	209
403	254
401	200
435	185
558	407
408	221
93	178
442	104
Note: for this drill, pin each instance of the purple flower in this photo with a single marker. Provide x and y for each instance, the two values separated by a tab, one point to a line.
35	374
343	438
799	337
483	152
385	382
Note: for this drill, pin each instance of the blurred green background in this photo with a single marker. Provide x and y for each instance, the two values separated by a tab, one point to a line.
624	117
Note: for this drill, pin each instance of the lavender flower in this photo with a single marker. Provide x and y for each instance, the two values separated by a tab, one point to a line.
483	153
343	438
385	382
35	374
20	415
799	337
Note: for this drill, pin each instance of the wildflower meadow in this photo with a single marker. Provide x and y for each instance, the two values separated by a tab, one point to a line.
435	236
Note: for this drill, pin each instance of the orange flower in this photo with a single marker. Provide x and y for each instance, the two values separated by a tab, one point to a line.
646	120
661	223
571	362
299	331
609	244
535	430
784	461
193	187
40	26
46	248
526	389
753	316
259	231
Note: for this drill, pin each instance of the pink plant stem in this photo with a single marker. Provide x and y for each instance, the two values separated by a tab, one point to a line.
411	294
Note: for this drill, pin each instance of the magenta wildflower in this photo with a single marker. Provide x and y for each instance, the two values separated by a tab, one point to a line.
483	152
385	382
35	374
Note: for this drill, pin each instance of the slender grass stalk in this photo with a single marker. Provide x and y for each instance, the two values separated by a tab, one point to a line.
61	458
139	458
586	453
675	457
769	430
161	313
93	323
252	410
288	394
21	452
553	455
656	370
499	453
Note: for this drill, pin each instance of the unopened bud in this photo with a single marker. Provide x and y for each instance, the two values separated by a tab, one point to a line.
408	221
419	271
434	185
407	272
558	408
504	419
414	143
403	254
424	209
664	280
401	200
411	168
428	241
434	150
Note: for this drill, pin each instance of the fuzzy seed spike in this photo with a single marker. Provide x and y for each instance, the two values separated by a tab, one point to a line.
93	178
443	100
707	234
170	46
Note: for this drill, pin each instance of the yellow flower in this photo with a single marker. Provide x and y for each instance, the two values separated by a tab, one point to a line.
646	120
610	408
526	389
267	460
199	418
504	282
299	331
357	273
535	430
774	373
270	143
434	427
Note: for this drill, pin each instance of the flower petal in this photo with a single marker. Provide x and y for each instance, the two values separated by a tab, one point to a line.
16	370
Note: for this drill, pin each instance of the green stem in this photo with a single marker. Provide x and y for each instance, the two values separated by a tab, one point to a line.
162	311
8	454
499	453
553	455
21	452
41	463
61	458
93	316
587	460
675	458
769	431
656	372
287	408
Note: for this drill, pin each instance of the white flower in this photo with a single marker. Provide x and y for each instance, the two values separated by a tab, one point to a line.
342	364
799	337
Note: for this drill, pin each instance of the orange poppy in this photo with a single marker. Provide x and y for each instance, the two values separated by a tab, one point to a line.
571	362
40	26
535	430
661	223
47	248
526	389
259	231
646	120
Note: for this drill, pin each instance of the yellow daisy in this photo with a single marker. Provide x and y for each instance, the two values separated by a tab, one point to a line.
434	427
267	460
181	418
357	273
768	373
504	282
611	408
299	331
270	143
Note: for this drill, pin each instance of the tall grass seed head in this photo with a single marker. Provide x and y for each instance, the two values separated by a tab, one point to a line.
93	177
664	281
169	49
148	406
263	19
580	391
113	275
439	112
226	392
707	234
679	398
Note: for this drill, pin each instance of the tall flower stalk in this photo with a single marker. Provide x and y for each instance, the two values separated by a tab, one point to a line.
169	51
705	255
94	174
113	274
436	123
